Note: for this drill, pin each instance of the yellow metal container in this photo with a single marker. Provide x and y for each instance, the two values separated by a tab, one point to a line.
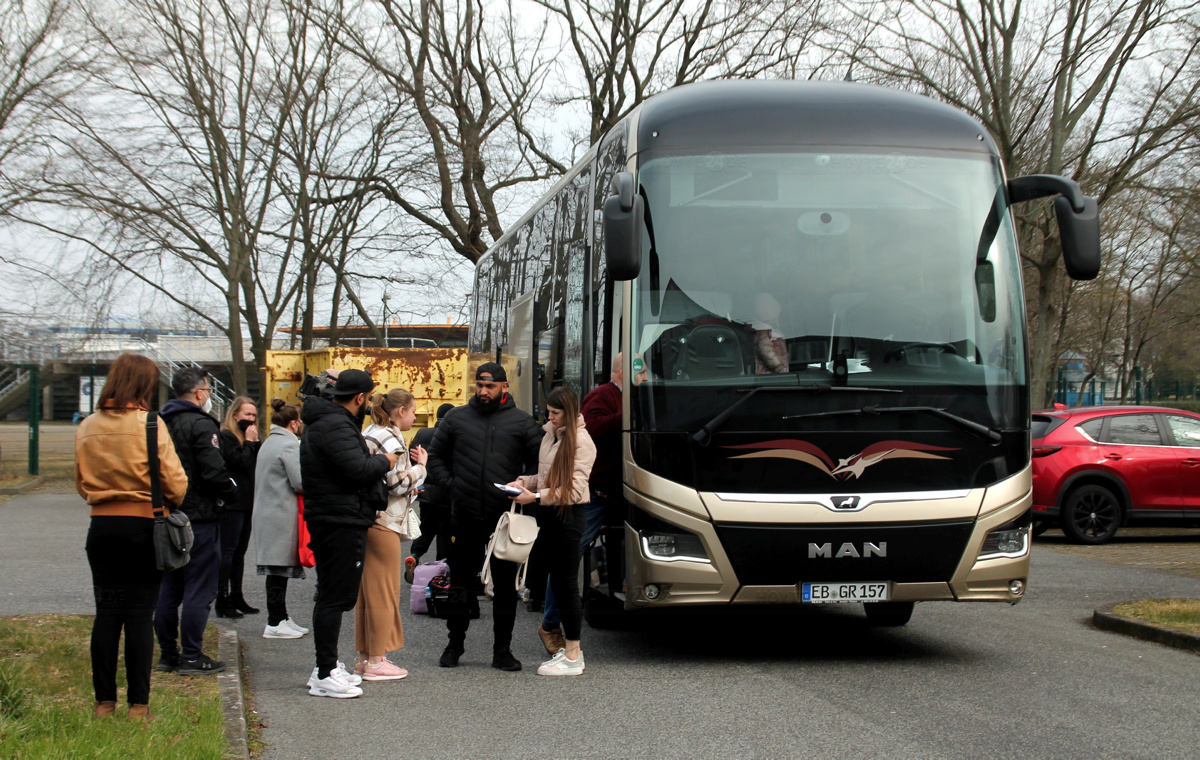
435	376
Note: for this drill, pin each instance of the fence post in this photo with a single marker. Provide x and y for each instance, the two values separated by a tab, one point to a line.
1137	384
35	414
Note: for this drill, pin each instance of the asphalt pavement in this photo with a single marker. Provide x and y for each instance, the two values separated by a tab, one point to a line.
961	680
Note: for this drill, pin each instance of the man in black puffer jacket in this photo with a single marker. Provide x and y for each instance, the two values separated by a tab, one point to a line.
343	488
489	440
194	586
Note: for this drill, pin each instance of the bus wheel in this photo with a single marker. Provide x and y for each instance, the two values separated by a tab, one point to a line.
888	613
1091	515
1040	527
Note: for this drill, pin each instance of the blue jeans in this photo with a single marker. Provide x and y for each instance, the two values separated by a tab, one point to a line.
596	511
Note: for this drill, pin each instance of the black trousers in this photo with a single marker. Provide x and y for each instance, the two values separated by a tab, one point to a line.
125	582
468	542
339	551
235	539
186	595
556	553
435	524
276	599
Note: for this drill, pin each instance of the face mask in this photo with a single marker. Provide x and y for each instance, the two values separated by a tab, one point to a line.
207	407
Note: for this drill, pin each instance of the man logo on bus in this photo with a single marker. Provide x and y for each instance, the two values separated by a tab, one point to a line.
852	466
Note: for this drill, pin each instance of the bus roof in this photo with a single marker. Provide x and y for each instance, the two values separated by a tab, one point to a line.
783	112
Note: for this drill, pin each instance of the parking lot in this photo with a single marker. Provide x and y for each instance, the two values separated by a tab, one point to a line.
1170	550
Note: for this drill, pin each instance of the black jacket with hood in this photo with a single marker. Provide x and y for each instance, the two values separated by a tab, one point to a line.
474	447
343	482
195	434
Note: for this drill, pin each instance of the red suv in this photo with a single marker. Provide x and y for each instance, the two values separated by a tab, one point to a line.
1098	468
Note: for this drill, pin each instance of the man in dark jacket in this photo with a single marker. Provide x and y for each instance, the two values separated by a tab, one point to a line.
194	586
343	488
435	506
489	440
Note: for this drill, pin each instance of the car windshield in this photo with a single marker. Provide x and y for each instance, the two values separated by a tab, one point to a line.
866	270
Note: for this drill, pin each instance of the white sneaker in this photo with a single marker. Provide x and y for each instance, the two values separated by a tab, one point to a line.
281	631
295	626
335	686
351	678
560	665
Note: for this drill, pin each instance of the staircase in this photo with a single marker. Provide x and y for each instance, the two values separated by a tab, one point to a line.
14	389
170	360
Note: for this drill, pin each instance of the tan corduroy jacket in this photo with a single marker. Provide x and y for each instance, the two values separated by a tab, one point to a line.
585	457
112	468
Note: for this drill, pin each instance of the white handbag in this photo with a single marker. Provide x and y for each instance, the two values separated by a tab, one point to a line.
512	541
410	526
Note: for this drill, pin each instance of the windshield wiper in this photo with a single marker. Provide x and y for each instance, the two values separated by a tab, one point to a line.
980	430
702	435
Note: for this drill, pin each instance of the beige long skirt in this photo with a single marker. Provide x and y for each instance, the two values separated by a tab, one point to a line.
377	627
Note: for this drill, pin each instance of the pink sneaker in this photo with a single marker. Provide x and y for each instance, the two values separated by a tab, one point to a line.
383	671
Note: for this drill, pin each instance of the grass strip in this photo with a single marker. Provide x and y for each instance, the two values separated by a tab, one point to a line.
46	699
1180	614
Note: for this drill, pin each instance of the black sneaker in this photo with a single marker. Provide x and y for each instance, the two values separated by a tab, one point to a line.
505	661
450	655
201	666
168	663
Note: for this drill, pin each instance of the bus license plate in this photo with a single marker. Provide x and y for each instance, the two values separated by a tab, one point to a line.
834	593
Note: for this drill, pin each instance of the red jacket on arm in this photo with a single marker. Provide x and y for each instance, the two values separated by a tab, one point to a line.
602	416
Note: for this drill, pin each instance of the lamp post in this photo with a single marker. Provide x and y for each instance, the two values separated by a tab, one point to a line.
385	319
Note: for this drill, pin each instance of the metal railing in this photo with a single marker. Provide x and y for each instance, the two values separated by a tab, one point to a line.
169	360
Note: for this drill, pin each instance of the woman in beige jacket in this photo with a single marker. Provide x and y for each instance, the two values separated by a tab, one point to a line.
564	464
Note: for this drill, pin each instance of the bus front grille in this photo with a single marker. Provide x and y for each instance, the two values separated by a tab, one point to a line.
775	555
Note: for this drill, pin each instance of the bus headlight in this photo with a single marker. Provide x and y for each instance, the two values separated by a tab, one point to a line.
1010	540
668	543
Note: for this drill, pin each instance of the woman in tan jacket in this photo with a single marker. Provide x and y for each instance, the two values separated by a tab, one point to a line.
564	464
112	472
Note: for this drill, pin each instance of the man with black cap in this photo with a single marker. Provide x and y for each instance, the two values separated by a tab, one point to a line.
343	489
488	440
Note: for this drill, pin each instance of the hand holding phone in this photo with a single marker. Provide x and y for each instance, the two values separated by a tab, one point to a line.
510	490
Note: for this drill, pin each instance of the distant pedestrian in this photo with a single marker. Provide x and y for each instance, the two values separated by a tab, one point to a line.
112	473
487	441
210	491
377	626
559	489
343	489
276	522
434	509
239	446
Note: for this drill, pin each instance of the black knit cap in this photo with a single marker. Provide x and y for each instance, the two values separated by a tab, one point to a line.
351	382
494	372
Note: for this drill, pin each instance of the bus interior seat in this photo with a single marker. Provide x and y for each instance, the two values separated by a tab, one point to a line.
714	351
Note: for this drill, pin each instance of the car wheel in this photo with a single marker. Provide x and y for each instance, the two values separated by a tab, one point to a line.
888	613
1091	515
1040	527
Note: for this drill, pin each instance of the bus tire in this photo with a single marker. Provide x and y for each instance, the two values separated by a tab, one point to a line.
1040	527
888	613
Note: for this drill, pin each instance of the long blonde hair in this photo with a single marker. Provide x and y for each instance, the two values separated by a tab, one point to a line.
235	406
562	469
383	404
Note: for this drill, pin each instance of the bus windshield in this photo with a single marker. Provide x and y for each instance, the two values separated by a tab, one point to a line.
881	271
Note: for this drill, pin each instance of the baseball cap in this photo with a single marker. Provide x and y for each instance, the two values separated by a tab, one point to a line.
351	382
494	372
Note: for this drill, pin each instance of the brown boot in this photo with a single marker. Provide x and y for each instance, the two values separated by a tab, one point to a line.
552	639
105	709
141	714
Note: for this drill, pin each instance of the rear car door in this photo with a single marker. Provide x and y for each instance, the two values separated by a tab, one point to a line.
1133	446
1185	431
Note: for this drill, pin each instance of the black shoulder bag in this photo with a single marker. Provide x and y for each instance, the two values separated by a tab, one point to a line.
172	533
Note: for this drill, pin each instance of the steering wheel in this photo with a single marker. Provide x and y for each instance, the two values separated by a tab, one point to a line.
895	351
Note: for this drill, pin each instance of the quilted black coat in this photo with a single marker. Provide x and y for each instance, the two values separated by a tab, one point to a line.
473	448
210	487
343	482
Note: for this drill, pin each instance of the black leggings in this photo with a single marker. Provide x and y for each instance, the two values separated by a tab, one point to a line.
235	539
125	582
276	599
556	552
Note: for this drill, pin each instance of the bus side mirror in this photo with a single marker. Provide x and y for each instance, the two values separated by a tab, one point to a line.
985	290
623	228
1078	220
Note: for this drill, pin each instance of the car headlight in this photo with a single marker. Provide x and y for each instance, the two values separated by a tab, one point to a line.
669	543
1010	540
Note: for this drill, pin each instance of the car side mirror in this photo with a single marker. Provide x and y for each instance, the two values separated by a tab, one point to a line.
623	211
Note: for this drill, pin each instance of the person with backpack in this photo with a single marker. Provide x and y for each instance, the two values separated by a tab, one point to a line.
565	459
377	626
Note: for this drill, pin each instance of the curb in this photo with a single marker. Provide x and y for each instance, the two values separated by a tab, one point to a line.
229	685
1107	620
14	490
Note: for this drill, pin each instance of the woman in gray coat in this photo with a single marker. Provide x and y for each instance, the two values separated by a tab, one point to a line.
276	530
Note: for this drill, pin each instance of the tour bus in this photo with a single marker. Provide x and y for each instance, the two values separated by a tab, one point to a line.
821	282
